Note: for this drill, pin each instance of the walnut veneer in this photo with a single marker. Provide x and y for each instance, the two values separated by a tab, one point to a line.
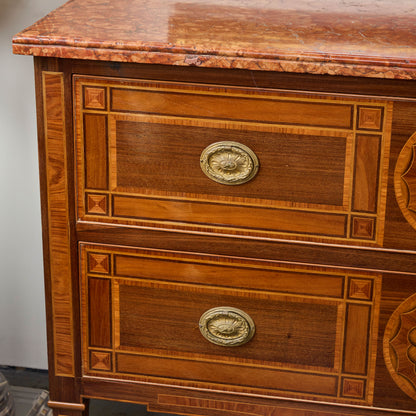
229	205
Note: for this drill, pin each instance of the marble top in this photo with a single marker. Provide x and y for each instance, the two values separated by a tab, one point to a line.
370	38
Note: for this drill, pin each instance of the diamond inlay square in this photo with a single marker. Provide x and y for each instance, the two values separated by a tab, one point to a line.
98	263
370	118
94	98
100	360
353	388
360	289
97	204
363	227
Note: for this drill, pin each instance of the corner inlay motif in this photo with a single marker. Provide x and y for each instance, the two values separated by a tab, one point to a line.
98	263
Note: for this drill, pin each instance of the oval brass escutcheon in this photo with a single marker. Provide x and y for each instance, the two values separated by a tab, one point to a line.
229	163
227	326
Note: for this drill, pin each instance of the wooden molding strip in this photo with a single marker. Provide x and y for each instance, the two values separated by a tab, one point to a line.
66	406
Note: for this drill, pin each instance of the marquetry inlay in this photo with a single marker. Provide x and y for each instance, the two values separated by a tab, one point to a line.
353	388
409	177
58	222
97	204
400	346
360	289
95	98
100	360
405	180
125	317
370	118
221	407
267	143
363	227
99	263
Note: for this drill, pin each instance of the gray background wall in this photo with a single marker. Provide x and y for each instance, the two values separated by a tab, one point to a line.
22	316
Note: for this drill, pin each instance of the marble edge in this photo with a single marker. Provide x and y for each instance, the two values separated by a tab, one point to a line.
318	65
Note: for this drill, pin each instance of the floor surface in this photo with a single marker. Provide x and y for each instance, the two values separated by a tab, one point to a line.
27	384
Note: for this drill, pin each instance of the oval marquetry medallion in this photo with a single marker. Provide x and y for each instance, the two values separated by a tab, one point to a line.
399	345
405	180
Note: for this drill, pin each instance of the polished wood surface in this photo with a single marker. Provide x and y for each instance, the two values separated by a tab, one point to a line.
314	338
154	149
121	291
60	257
371	39
316	250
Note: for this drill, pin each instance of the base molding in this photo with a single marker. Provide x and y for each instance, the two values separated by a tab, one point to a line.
66	406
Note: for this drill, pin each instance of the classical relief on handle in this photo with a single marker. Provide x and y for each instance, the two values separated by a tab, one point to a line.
229	163
227	326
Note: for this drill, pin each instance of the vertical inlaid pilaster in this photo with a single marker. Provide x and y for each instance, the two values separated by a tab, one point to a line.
58	229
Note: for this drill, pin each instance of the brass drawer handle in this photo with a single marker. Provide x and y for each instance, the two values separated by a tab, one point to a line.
227	326
229	163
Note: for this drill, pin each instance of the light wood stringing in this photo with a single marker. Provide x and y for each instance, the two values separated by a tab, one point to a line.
364	192
349	369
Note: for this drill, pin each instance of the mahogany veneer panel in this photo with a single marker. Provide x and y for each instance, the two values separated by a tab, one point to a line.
309	340
282	175
298	338
154	151
95	133
59	247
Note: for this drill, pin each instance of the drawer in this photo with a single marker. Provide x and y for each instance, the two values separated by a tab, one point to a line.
228	160
241	325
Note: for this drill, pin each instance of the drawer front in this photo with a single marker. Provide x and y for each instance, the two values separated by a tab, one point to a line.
231	160
241	325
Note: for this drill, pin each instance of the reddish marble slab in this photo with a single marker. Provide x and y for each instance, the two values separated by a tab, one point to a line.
371	38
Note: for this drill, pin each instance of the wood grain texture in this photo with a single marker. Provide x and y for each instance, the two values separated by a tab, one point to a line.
244	276
366	177
371	259
286	157
220	106
290	332
286	221
225	35
95	148
101	360
297	193
58	218
99	312
243	405
300	332
191	404
356	348
217	373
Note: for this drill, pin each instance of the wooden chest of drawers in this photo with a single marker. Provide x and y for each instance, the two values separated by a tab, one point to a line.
229	205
